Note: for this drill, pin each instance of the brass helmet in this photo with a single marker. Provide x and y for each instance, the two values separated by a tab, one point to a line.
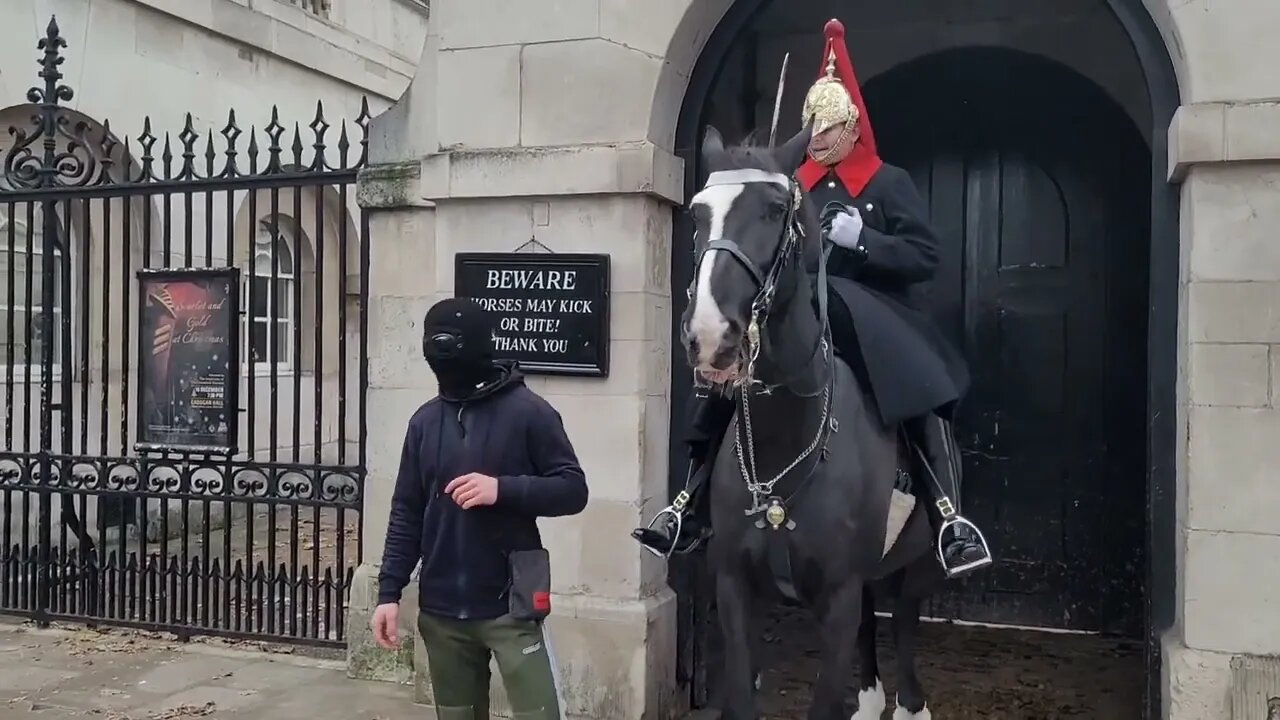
828	103
835	101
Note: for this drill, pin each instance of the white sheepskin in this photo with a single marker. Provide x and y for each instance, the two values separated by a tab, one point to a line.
904	714
871	703
900	506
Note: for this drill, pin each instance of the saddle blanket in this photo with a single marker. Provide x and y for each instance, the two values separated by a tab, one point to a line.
900	506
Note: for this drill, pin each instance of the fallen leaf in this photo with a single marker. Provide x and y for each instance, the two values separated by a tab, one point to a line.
185	711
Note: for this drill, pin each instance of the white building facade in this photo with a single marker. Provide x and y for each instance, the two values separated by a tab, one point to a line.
205	135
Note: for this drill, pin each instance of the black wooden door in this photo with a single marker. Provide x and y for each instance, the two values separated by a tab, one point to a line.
1037	184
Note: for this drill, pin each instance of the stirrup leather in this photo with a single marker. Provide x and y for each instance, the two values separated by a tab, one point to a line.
676	511
959	521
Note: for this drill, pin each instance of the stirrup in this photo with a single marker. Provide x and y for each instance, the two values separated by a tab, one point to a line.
676	511
960	521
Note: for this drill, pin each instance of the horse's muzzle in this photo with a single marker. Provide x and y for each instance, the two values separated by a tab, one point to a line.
722	357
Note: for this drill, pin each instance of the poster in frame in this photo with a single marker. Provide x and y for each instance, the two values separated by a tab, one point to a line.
188	360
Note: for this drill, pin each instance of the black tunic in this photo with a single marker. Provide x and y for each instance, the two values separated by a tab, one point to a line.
880	318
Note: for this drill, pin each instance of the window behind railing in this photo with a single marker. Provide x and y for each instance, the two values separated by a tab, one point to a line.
319	8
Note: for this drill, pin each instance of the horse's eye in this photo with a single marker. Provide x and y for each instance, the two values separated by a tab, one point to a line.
776	211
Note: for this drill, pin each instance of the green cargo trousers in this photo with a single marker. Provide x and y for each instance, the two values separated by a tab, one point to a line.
458	653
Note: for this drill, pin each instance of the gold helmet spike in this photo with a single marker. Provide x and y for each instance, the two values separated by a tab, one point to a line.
828	104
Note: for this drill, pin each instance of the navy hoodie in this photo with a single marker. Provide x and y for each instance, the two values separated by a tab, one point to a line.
507	432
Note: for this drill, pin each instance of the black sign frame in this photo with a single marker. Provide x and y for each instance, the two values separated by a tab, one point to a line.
231	312
597	262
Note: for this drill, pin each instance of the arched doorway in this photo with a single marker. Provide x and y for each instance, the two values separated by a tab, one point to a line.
1047	149
1035	180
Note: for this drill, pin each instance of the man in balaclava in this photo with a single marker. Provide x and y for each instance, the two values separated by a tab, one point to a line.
457	341
481	462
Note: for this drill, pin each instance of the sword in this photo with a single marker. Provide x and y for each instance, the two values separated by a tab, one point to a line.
777	101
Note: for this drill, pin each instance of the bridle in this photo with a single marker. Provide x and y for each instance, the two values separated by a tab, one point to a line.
790	249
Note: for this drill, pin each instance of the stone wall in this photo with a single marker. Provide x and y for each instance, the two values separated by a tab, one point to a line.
570	141
614	623
1226	155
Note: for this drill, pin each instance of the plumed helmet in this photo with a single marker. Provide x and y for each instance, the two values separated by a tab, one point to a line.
827	104
836	98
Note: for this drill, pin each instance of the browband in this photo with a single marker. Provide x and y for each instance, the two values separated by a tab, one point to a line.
747	175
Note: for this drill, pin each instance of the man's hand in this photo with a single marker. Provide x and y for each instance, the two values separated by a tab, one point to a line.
386	625
473	490
846	229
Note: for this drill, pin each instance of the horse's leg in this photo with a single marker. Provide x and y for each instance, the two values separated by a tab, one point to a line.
841	616
733	610
906	623
871	701
757	651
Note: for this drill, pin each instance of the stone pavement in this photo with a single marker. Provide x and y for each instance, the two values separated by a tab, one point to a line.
69	672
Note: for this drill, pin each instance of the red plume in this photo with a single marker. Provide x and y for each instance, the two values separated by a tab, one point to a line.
854	171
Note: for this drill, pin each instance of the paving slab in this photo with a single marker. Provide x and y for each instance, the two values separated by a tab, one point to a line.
68	672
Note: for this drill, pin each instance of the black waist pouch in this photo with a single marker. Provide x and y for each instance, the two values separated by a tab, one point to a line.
530	596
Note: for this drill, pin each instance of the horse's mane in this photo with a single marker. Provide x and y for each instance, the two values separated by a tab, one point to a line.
746	155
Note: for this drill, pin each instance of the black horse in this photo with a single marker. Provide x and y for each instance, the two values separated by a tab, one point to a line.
806	487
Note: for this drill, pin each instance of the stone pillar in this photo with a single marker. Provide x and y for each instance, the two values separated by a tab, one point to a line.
402	252
525	123
1216	666
401	288
613	624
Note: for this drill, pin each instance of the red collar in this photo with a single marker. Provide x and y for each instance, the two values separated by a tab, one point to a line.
855	171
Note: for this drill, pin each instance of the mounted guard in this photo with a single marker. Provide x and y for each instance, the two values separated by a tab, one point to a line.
883	256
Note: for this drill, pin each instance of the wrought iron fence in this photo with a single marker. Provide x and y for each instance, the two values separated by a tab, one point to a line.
108	366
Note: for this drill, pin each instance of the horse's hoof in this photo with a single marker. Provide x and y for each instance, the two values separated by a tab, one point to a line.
904	714
871	703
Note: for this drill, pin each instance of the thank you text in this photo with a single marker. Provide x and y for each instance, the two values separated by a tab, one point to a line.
550	312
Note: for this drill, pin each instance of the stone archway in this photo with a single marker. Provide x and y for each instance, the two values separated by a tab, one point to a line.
714	27
699	30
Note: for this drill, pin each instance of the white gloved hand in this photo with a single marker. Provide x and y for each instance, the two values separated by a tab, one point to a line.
846	229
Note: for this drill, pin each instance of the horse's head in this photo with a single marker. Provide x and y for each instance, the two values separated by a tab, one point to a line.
748	253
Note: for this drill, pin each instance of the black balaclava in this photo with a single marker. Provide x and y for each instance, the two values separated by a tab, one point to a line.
457	342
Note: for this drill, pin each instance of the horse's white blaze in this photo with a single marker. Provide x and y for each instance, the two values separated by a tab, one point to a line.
707	323
904	714
871	703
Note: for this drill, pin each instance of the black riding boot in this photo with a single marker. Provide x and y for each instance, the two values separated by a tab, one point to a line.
961	547
686	524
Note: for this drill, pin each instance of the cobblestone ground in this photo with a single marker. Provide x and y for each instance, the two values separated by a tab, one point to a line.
969	673
81	674
974	673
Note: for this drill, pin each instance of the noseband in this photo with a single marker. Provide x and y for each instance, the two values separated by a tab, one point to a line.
766	281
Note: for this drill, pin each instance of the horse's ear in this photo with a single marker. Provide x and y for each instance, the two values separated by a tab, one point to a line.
712	143
791	154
